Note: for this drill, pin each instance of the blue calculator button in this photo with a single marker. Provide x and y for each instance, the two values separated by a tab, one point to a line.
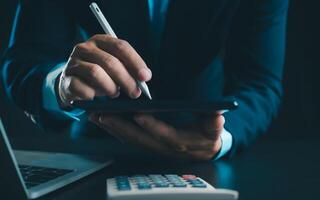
180	185
123	183
158	178
124	188
141	181
162	185
171	175
196	181
177	182
140	178
155	175
145	183
158	181
144	186
199	185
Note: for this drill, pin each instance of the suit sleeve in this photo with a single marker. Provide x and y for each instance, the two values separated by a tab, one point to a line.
254	67
42	37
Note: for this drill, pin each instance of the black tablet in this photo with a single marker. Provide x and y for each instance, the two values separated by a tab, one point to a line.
154	106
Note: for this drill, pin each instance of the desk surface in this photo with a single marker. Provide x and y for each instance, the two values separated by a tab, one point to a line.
270	169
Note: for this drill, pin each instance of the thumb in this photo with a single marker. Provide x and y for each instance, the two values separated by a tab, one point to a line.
213	126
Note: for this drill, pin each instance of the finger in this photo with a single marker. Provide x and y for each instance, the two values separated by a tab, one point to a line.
196	154
96	118
77	89
161	131
188	140
207	154
213	126
112	66
199	143
112	131
94	75
130	132
127	55
184	142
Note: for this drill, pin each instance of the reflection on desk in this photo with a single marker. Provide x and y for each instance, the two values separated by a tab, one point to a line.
271	169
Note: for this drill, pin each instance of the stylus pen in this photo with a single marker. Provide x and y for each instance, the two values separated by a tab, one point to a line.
108	30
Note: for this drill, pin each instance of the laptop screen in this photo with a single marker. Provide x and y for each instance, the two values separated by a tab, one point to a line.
11	182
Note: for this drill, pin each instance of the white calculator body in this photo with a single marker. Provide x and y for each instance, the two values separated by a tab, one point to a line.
165	187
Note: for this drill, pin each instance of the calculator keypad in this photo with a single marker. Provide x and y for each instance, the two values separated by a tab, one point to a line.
123	183
143	182
165	187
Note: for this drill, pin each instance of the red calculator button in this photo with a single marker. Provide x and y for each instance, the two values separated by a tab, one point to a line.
189	177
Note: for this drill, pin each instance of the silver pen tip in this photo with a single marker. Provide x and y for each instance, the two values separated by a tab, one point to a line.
144	88
148	94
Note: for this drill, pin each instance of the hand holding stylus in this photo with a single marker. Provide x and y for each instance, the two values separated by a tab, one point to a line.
102	66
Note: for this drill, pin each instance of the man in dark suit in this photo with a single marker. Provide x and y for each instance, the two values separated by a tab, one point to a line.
187	50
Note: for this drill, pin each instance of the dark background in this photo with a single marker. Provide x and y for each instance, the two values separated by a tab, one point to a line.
298	117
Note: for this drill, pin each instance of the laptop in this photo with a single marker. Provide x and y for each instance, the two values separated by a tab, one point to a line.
31	174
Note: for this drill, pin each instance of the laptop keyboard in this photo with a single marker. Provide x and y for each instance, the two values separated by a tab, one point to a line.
34	176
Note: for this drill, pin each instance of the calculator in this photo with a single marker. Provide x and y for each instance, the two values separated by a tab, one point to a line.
165	187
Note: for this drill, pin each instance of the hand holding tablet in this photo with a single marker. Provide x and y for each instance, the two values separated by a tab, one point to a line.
154	106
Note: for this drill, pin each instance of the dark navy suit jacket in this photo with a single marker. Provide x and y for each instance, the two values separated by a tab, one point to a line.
210	49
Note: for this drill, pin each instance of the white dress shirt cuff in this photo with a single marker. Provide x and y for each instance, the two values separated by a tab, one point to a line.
50	102
226	144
